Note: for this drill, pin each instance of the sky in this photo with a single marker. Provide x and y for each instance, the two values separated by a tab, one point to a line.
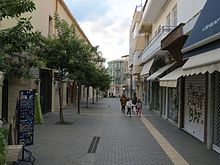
105	23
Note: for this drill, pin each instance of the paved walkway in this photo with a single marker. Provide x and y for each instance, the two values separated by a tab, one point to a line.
102	135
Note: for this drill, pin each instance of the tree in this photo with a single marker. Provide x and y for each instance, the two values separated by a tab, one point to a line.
17	39
85	69
101	80
67	54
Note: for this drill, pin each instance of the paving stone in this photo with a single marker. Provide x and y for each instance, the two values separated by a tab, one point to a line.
123	140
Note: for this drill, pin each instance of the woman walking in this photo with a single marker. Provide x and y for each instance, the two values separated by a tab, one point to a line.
139	107
123	101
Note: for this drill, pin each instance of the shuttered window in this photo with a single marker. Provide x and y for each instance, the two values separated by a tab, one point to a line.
216	110
194	105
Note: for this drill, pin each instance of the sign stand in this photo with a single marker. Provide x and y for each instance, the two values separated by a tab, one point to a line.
25	115
26	156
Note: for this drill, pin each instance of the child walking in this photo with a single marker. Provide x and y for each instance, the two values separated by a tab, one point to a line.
139	107
128	104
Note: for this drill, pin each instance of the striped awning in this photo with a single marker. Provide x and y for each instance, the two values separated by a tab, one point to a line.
159	72
146	68
202	63
170	80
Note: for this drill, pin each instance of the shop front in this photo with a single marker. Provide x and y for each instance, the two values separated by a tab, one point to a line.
158	93
195	105
146	84
173	103
202	77
172	95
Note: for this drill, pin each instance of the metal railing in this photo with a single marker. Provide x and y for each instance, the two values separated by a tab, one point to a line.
160	31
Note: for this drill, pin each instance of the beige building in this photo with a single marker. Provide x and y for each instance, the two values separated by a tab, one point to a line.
117	69
180	64
151	23
10	85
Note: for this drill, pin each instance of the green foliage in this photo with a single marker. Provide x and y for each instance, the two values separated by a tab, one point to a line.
14	8
3	144
73	57
104	80
17	39
67	53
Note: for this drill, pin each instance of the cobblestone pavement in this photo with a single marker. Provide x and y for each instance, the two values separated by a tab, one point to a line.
123	140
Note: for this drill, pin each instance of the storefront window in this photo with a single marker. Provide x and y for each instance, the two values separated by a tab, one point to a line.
173	104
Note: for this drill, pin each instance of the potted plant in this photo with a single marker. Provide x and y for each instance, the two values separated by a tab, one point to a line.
3	143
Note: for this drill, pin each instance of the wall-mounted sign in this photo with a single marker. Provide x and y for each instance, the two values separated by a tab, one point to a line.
206	29
34	72
57	76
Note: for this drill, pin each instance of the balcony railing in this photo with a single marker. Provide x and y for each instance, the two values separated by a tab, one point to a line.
154	44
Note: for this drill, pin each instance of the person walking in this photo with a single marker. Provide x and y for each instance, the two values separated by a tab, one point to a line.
134	102
139	107
123	101
128	104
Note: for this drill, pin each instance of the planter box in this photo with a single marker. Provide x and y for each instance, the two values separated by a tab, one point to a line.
13	152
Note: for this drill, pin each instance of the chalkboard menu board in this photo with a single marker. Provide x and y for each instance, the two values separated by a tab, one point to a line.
26	117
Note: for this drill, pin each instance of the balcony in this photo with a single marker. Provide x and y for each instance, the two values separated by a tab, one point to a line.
136	70
151	12
138	43
154	46
145	27
153	9
136	18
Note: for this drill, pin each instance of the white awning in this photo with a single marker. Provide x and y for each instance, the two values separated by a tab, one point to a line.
159	72
170	80
202	63
146	68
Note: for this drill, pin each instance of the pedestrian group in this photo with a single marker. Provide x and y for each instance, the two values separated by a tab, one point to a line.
132	104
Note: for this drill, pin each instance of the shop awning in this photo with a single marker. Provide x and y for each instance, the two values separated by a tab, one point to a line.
159	72
146	68
202	63
170	80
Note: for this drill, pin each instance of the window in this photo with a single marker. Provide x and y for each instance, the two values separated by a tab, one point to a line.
168	21
174	15
50	28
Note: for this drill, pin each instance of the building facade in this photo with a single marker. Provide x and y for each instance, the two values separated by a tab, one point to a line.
201	75
44	82
179	65
117	69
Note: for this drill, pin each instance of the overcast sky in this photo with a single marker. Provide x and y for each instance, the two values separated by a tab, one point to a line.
105	23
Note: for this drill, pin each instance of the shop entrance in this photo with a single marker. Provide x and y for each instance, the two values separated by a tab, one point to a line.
5	101
45	90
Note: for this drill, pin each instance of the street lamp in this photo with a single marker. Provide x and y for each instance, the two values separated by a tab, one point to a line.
123	88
